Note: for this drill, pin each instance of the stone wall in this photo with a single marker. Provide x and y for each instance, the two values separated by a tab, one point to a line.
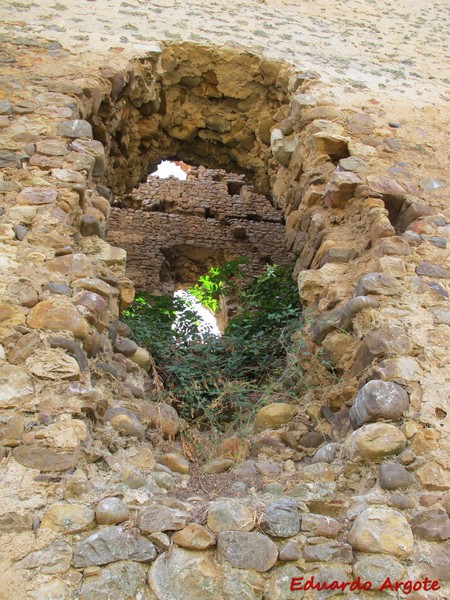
352	478
174	231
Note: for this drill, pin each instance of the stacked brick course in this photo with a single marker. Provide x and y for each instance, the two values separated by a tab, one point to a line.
174	230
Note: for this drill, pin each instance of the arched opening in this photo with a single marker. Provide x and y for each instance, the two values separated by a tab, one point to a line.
263	154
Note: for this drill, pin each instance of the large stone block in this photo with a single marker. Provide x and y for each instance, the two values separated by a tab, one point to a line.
382	530
378	400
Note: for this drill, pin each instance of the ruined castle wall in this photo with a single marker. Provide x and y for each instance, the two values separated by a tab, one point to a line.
362	450
174	231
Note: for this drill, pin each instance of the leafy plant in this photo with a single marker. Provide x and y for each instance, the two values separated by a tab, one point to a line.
219	281
217	379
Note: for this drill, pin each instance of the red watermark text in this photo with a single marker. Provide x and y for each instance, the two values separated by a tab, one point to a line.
407	586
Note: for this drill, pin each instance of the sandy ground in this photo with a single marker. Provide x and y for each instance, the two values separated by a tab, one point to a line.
396	47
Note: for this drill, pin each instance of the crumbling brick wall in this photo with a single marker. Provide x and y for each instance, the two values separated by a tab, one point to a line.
174	230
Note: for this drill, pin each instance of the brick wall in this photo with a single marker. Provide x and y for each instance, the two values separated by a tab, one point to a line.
174	230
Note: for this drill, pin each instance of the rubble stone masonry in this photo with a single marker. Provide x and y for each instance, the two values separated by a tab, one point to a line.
344	478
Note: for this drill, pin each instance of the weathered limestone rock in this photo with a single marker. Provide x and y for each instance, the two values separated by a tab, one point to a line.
441	315
422	440
328	551
376	441
230	515
58	315
239	583
281	518
382	530
126	347
34	457
282	147
320	525
53	364
378	400
77	128
11	431
111	511
446	503
10	316
433	476
56	588
57	288
77	265
378	284
320	112
279	584
15	386
122	579
125	422
402	370
52	148
161	518
341	188
274	415
218	465
194	537
290	551
54	559
185	574
430	270
333	144
432	525
246	550
36	196
388	338
327	453
95	149
376	568
111	544
68	518
96	306
64	434
317	472
142	459
392	265
142	358
434	561
394	476
175	462
90	225
386	186
24	294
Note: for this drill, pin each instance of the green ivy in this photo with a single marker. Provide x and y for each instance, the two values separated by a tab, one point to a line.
218	378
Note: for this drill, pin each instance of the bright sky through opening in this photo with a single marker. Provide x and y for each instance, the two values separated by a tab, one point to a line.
166	168
204	315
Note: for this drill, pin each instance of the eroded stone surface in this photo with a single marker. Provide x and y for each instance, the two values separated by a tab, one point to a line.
185	574
161	518
378	400
226	515
381	530
281	518
377	440
111	544
246	550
